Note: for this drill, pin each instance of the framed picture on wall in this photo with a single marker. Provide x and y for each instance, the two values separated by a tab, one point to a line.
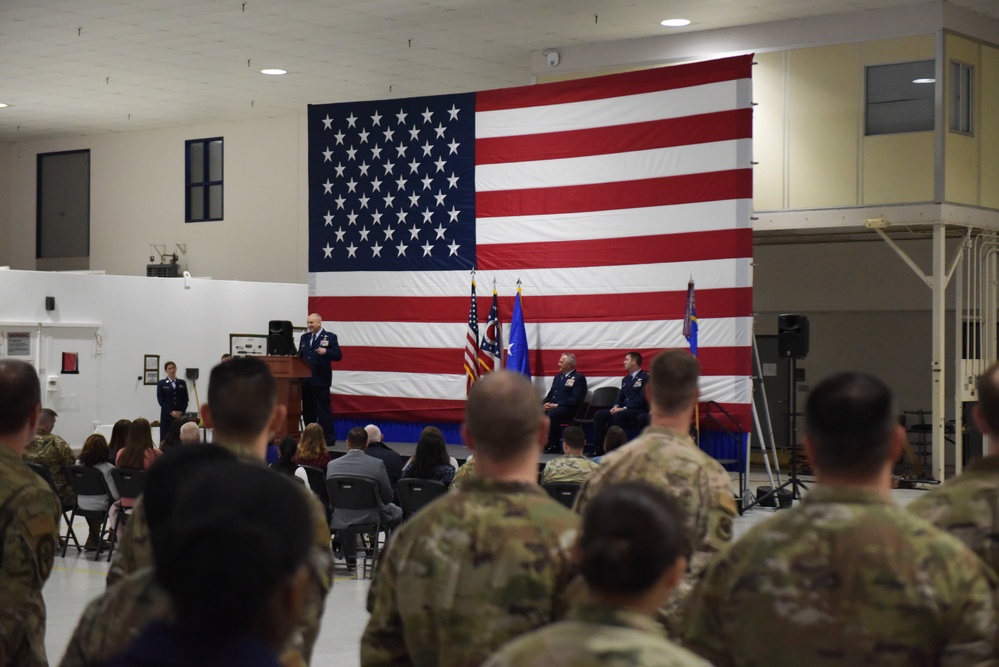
151	368
246	345
70	363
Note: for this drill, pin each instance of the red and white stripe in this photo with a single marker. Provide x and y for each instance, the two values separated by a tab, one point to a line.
604	197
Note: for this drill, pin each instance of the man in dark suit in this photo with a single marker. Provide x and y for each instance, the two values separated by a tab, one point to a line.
319	349
630	403
378	449
355	463
567	393
171	393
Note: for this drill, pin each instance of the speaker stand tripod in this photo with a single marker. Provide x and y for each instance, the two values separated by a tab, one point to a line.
792	414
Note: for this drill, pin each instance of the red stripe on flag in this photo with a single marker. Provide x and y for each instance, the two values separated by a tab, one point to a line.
621	251
593	363
640	306
701	129
616	85
391	408
663	191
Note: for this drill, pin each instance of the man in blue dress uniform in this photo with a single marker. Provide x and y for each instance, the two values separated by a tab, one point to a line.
319	349
567	393
630	403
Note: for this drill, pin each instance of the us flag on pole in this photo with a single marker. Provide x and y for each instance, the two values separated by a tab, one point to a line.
601	195
472	343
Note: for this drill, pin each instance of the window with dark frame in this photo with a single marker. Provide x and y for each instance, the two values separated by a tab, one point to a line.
962	97
203	200
62	213
899	98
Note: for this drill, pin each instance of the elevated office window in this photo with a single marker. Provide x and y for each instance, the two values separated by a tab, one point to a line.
899	98
204	179
962	97
62	216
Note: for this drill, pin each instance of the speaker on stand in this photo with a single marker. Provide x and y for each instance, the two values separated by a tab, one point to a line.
280	339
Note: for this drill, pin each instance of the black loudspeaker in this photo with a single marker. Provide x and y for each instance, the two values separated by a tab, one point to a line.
792	336
50	303
279	338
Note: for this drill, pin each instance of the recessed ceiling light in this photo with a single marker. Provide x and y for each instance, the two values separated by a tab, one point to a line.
2	105
273	72
924	80
675	23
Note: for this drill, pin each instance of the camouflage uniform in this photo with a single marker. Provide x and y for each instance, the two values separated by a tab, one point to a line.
568	468
468	573
967	507
596	637
52	452
670	460
135	552
845	578
465	473
29	521
112	621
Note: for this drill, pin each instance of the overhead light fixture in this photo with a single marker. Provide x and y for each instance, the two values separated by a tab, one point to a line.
2	105
273	72
675	23
927	80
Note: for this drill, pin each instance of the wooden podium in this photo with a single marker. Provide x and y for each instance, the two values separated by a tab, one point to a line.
289	371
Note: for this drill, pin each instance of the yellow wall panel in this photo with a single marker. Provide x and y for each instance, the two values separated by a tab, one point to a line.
898	168
768	131
824	121
901	50
961	152
989	124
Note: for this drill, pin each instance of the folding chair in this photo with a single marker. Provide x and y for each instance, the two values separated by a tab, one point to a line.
603	399
564	492
130	484
87	481
317	482
415	493
359	494
43	472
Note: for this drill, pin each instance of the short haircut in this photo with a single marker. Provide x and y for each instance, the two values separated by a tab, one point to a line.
631	534
673	380
242	394
357	437
988	397
570	357
503	416
850	419
49	412
636	357
374	433
190	427
223	515
20	393
170	473
574	437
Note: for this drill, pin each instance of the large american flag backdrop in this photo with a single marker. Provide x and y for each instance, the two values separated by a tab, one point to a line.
604	196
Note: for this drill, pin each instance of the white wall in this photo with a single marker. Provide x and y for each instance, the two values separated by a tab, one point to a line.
136	316
137	199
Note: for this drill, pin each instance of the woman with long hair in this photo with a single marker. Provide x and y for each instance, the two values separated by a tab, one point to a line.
95	455
173	435
633	550
312	449
430	461
118	436
139	451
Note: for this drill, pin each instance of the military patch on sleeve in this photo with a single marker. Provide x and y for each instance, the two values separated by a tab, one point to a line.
40	525
45	555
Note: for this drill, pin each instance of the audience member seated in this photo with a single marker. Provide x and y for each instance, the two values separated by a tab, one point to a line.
139	453
190	433
430	461
119	434
846	577
572	466
433	430
285	462
632	552
616	437
465	473
561	403
52	452
173	435
312	450
95	455
231	611
355	463
378	449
